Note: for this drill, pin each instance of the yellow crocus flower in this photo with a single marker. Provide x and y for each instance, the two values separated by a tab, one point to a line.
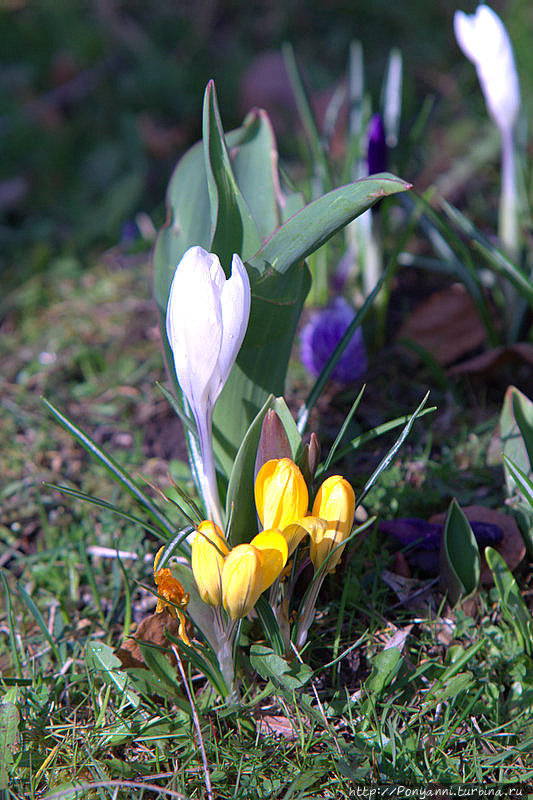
251	568
281	495
334	503
208	551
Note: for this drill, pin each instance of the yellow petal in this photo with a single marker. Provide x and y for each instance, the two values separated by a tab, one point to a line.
242	580
208	550
275	552
293	534
281	495
334	503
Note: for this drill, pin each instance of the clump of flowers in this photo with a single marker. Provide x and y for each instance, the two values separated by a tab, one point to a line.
207	317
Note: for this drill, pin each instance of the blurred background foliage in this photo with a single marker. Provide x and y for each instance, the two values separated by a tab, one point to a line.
99	98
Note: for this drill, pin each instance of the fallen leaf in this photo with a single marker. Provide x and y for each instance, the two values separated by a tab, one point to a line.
152	631
493	360
276	726
447	325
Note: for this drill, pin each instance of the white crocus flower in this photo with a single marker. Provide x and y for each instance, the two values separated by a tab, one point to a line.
483	39
207	317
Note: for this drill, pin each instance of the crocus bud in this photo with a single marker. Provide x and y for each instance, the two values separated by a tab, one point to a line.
242	580
310	458
281	495
483	39
207	317
377	147
208	551
334	503
273	442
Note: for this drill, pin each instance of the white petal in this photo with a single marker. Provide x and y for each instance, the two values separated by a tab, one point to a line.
194	322
235	300
484	40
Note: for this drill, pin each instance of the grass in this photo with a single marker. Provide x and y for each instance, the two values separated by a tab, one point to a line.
414	693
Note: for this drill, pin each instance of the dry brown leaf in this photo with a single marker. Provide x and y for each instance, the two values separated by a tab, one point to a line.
493	360
511	548
151	630
276	726
446	325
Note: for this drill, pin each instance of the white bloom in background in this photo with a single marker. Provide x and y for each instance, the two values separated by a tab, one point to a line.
483	39
207	317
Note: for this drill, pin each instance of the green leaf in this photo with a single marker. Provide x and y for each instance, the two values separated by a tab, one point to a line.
459	554
234	230
310	228
272	666
9	725
291	429
385	462
28	602
97	501
270	625
261	367
516	433
385	667
240	503
512	604
523	483
100	656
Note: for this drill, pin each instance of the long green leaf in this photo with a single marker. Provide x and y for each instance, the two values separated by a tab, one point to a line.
240	505
310	228
524	484
111	465
234	230
342	431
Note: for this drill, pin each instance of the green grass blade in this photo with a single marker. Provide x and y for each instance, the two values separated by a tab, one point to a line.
495	257
342	431
98	501
385	462
111	465
320	162
37	616
379	430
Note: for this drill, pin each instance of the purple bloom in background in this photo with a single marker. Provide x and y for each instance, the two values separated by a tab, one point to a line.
129	233
321	335
423	538
377	147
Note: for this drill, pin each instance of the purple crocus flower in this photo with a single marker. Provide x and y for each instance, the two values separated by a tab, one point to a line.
377	147
321	335
423	538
